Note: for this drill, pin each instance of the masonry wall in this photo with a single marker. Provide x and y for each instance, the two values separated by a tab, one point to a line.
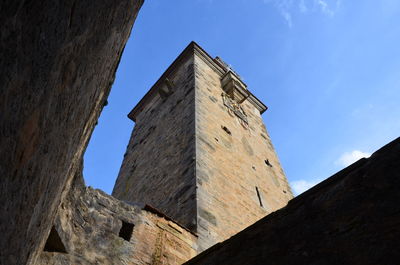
90	226
158	168
350	218
179	159
231	164
58	61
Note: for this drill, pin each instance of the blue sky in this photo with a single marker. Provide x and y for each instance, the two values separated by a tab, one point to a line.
329	70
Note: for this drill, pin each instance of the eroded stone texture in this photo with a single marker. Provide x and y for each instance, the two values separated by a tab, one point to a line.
351	218
96	228
58	61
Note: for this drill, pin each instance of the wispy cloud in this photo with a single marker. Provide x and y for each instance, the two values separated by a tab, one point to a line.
300	186
349	158
287	7
346	159
288	17
302	6
284	7
325	8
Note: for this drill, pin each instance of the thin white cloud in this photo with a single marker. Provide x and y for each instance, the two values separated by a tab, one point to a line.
288	17
349	158
302	6
300	186
287	7
346	159
323	6
284	7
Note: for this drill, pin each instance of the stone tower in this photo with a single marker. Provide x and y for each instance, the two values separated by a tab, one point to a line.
200	152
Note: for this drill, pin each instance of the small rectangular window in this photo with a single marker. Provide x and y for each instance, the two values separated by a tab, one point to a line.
126	231
226	130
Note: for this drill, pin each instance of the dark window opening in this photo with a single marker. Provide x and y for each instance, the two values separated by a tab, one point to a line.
54	242
126	231
226	130
268	163
259	197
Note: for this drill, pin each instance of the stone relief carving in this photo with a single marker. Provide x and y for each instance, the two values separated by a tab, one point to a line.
235	109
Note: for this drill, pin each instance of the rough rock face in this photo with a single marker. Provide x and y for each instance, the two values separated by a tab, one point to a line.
95	228
58	61
351	218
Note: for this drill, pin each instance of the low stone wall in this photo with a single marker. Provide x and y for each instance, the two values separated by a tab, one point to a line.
95	228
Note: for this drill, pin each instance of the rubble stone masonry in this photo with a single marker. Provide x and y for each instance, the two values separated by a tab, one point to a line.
95	228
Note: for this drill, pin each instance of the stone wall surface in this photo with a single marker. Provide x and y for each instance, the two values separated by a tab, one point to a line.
235	185
58	61
352	217
90	225
158	168
182	161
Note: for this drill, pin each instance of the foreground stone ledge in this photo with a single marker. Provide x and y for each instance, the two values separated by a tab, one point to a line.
58	62
352	217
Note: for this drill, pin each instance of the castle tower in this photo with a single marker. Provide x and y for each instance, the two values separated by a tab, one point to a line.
200	152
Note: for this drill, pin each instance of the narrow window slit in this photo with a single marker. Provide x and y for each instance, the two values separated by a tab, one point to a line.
54	242
226	130
126	231
268	163
259	197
